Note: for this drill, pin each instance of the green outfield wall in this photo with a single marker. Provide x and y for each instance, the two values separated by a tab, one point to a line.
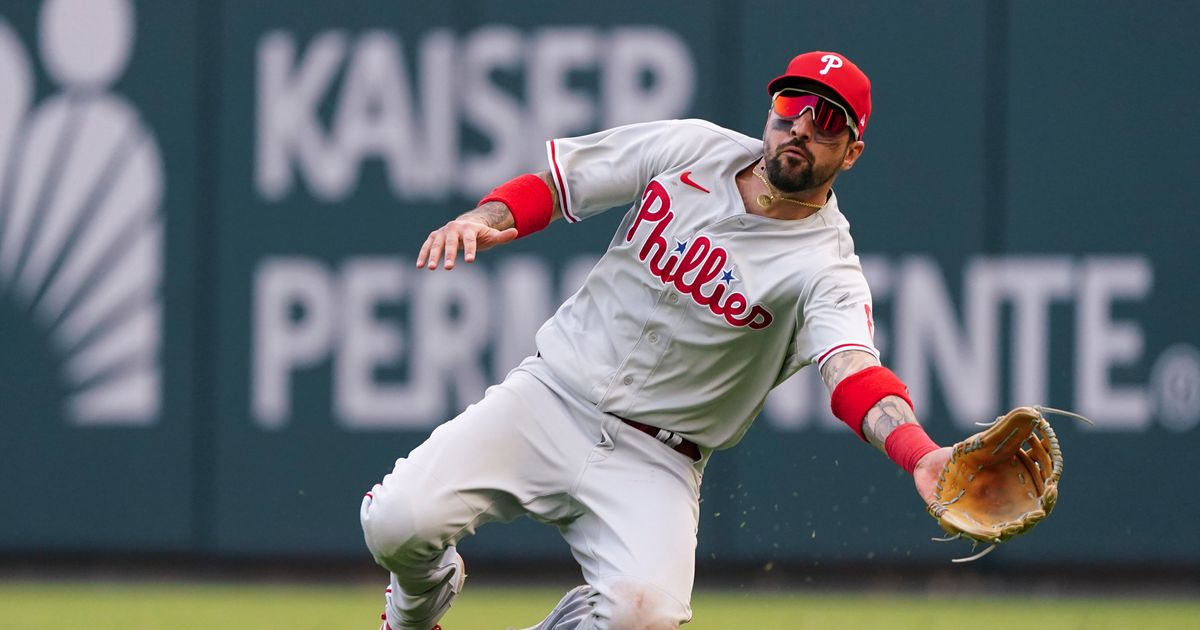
213	339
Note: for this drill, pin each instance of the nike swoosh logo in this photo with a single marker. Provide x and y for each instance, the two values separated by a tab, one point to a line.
686	177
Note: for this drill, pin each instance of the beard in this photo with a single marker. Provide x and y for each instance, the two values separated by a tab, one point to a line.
802	176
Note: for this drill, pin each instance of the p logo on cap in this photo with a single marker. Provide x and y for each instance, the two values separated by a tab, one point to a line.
831	61
834	71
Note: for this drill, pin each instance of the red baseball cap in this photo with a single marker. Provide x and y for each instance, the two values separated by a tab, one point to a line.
835	72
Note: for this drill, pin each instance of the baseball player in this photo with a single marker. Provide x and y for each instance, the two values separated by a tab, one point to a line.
732	269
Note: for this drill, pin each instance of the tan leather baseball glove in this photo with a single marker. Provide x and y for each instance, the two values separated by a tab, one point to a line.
1002	481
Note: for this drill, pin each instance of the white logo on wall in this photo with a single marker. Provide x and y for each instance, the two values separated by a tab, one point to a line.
81	232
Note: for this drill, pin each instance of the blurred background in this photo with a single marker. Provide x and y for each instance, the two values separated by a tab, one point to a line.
213	339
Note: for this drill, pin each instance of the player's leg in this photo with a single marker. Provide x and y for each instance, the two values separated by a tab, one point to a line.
636	541
480	467
411	522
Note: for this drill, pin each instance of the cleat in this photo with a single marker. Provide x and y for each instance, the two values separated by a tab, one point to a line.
456	586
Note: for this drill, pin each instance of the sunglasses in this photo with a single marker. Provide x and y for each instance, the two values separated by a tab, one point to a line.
828	116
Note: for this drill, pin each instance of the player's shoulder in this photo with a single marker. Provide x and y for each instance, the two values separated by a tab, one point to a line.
700	130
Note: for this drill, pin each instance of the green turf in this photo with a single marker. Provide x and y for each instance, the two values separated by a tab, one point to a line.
184	606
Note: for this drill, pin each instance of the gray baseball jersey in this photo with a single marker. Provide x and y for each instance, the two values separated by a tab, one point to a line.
698	309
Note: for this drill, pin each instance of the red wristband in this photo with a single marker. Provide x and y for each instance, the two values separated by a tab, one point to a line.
528	199
856	394
907	444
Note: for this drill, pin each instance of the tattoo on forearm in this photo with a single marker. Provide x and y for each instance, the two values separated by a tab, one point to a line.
496	215
843	364
884	417
887	414
492	214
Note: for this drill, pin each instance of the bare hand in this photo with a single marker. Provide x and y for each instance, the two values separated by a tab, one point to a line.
928	469
472	236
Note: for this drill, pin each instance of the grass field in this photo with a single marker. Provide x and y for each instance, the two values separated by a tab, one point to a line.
184	606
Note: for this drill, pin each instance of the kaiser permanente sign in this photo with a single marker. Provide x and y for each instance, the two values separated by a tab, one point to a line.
979	348
455	318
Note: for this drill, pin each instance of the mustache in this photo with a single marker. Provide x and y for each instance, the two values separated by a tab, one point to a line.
799	146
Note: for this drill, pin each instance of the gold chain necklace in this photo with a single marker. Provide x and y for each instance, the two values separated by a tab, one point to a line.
765	200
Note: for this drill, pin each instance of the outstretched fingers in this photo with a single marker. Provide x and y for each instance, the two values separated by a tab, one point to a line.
444	245
442	241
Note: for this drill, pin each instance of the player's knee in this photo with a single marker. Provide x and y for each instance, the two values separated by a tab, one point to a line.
635	605
396	528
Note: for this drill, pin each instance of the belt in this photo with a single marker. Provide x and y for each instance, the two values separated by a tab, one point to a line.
677	442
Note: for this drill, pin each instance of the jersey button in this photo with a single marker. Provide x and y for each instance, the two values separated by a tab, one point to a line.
628	380
674	297
653	337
